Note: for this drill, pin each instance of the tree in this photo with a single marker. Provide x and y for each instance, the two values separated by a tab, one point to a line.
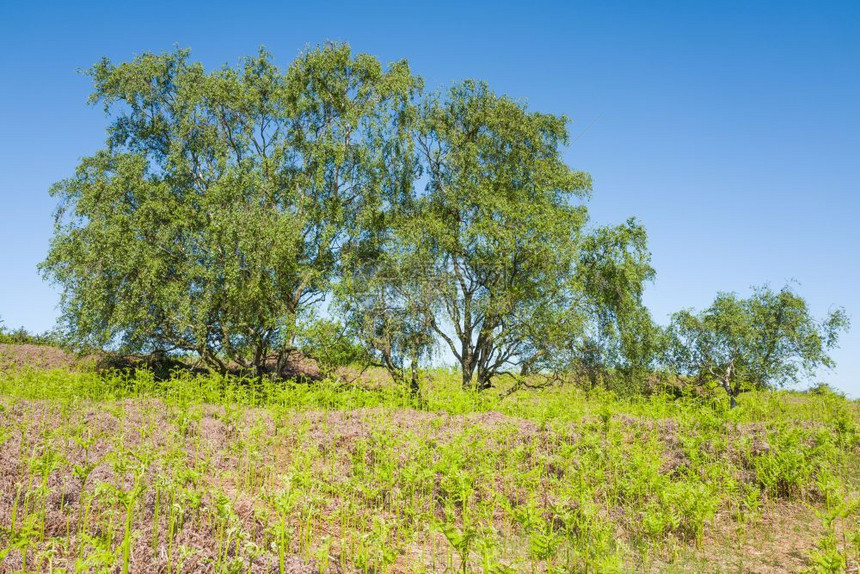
495	230
596	326
494	250
216	213
766	340
329	344
614	267
386	306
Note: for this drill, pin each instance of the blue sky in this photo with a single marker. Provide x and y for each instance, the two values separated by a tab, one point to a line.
730	129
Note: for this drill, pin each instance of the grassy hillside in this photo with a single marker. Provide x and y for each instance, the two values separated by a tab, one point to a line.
199	474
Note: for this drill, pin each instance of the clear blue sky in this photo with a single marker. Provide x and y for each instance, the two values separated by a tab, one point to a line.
731	129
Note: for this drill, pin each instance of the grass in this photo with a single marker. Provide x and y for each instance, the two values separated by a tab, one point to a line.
131	474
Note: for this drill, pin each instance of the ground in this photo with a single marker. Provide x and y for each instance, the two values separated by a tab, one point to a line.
204	474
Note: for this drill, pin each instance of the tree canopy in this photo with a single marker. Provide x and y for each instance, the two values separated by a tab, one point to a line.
236	214
496	228
215	214
766	340
493	257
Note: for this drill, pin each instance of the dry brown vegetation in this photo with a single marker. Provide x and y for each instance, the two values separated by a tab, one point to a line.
14	357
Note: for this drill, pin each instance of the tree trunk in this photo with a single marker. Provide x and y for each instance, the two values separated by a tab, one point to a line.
483	379
414	388
468	368
731	392
727	383
467	379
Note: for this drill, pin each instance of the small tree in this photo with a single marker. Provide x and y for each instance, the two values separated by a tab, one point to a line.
597	325
385	301
767	340
329	343
614	267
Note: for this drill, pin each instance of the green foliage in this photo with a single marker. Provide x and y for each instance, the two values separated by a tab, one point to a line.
384	307
495	229
214	216
227	205
329	343
486	258
618	336
766	340
493	257
839	547
228	210
22	336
